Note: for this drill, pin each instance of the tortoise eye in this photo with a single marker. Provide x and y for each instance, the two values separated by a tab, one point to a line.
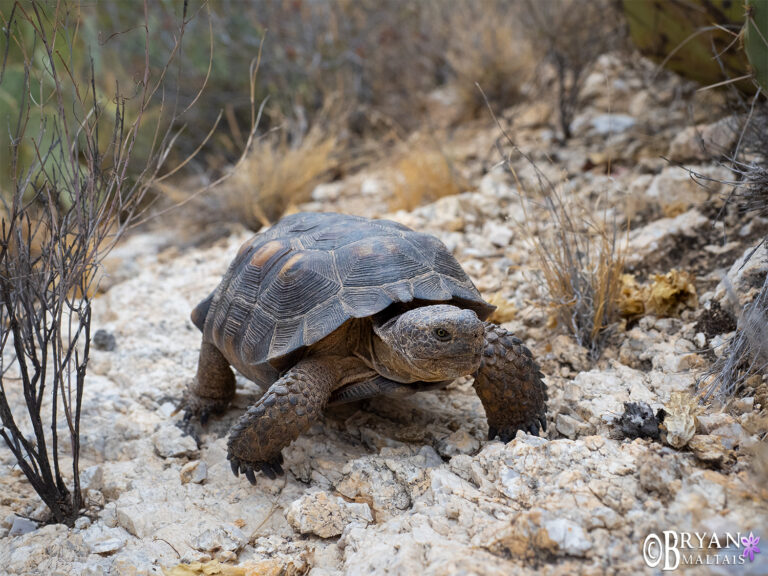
442	334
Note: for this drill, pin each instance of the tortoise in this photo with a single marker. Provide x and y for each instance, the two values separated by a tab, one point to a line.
325	308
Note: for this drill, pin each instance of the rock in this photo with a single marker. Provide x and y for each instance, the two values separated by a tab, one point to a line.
225	538
459	442
22	526
676	191
569	536
103	340
103	540
327	192
710	449
705	141
91	478
499	234
170	442
744	279
533	533
638	421
730	435
606	124
569	426
82	523
195	472
679	423
660	236
326	516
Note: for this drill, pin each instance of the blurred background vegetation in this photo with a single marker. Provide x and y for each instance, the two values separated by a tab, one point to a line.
338	80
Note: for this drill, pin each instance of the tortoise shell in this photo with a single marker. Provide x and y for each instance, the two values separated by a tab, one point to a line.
294	284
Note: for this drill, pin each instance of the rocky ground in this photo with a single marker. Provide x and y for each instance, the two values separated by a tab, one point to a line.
414	487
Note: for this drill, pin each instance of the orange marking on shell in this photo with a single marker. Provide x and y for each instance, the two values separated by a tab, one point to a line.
263	254
292	261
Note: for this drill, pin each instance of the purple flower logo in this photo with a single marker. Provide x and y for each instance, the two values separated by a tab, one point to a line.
750	547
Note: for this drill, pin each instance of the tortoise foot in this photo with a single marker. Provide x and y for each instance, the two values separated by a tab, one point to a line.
271	469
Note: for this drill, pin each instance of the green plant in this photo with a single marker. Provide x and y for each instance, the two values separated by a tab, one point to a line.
756	41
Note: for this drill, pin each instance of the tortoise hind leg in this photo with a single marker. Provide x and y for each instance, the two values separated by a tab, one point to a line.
213	387
510	386
276	419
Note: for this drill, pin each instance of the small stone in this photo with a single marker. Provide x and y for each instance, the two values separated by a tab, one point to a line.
325	516
170	442
568	425
95	499
195	472
679	423
22	526
104	540
638	421
710	449
82	523
459	442
498	234
91	478
568	535
103	340
224	538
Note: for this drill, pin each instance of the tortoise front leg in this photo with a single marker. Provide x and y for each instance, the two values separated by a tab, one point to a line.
213	387
510	386
286	410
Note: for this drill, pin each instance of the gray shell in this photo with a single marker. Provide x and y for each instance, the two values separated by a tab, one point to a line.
296	283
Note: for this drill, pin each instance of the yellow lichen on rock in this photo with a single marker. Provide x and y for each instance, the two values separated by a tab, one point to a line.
680	419
669	293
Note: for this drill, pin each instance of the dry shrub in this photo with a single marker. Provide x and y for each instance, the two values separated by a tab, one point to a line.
744	361
581	263
570	35
423	174
486	47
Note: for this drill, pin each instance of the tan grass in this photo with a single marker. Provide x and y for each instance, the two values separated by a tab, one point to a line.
423	174
487	47
581	263
276	176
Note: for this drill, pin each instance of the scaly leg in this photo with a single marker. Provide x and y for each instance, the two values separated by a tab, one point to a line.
213	387
510	386
276	419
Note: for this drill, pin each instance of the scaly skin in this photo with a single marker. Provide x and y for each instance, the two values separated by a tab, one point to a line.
276	419
510	386
213	387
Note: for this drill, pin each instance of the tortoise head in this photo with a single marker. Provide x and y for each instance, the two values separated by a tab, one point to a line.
430	343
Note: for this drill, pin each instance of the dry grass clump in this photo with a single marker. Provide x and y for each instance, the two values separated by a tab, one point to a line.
744	362
570	35
423	174
581	263
276	175
486	47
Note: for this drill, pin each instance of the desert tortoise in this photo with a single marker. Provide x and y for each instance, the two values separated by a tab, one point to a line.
329	308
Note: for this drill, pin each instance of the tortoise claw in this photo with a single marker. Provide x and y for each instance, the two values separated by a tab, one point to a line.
270	469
